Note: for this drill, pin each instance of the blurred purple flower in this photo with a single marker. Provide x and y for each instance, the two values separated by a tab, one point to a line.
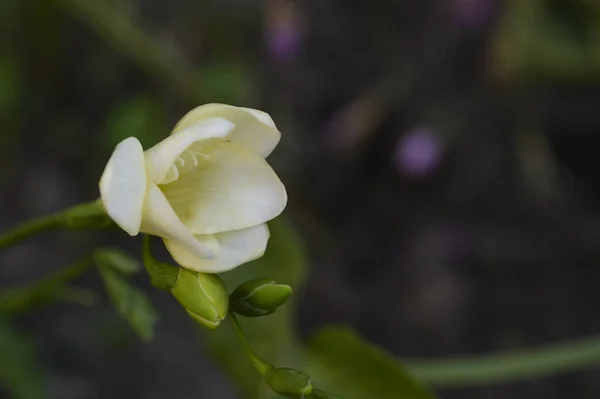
283	42
283	30
418	153
473	14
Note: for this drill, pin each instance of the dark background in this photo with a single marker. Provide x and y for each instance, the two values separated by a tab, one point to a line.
440	157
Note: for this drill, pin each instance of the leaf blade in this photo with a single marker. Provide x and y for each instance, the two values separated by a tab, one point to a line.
344	363
131	303
20	374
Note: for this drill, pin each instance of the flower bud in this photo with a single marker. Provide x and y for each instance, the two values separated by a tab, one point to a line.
203	296
290	383
259	297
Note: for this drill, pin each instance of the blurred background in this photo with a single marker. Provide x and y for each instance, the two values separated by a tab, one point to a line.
440	157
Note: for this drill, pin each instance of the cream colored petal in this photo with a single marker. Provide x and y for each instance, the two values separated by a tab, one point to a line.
236	247
123	184
261	116
253	128
159	219
234	189
161	157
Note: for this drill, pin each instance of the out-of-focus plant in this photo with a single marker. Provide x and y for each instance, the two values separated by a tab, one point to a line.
546	39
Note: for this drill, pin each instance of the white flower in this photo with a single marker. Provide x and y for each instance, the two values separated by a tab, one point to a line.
206	189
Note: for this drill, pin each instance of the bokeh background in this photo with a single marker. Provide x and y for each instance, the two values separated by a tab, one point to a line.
440	158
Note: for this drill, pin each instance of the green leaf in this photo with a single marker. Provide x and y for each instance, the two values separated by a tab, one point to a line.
131	303
116	259
20	374
272	337
342	362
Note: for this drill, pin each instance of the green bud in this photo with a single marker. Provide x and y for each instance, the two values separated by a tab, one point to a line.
259	297
290	383
203	296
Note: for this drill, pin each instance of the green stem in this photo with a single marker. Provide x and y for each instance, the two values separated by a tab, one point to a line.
519	365
29	228
21	298
259	364
86	215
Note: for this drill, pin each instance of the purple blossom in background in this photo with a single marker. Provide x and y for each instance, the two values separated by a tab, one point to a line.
473	14
418	153
284	42
283	31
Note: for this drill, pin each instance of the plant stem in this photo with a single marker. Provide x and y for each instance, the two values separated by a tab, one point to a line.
259	364
20	298
509	367
29	228
89	214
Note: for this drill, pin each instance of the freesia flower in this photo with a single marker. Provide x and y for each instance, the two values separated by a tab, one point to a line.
206	189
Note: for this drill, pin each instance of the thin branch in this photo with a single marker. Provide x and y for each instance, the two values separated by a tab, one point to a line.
509	366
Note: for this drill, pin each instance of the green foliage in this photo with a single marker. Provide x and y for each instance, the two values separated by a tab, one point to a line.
226	82
338	360
342	362
131	303
541	39
117	259
20	374
141	116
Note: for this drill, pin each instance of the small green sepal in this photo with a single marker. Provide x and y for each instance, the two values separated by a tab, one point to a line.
162	275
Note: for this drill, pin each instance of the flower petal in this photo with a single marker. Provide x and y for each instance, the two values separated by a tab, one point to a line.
159	219
235	247
233	189
253	128
161	157
123	184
